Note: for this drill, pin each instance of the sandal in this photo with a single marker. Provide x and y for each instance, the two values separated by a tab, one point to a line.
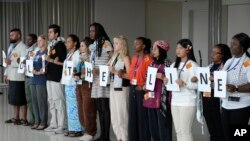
17	122
12	120
66	133
24	122
75	134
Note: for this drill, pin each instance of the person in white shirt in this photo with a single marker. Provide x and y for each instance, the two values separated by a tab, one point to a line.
184	101
119	87
236	105
74	125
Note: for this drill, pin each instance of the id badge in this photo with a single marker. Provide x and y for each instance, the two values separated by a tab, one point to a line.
134	82
206	94
79	82
146	96
234	98
151	95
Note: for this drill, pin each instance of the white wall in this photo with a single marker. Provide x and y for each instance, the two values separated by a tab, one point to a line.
121	17
238	20
195	27
164	24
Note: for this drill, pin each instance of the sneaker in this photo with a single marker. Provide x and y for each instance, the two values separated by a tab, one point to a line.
50	129
59	130
86	137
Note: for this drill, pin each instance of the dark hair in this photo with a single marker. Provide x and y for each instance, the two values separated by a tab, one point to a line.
56	28
185	43
87	41
244	40
75	39
100	37
225	52
162	56
33	37
147	43
16	30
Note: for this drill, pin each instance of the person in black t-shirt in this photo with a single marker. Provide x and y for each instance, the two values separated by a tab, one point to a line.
56	55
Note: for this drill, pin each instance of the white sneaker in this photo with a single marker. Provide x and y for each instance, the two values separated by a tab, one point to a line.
59	130
86	137
50	129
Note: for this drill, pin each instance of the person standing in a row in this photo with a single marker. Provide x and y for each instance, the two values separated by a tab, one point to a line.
119	87
212	105
30	54
138	128
236	106
152	99
16	92
86	105
38	86
183	102
101	52
74	126
56	55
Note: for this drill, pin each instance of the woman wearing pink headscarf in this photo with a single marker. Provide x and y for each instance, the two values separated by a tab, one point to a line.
153	99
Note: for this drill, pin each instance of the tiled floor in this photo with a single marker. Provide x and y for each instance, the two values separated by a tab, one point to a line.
10	132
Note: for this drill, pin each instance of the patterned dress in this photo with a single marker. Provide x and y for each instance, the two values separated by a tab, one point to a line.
71	100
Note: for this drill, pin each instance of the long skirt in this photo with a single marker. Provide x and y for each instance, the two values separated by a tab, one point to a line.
72	109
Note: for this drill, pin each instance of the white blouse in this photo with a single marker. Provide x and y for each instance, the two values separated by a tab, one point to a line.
238	73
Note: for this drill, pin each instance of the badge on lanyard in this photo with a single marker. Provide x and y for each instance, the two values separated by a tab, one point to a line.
207	94
151	95
134	82
234	98
65	69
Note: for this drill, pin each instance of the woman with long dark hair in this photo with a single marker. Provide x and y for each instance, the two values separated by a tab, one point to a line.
184	101
101	51
74	126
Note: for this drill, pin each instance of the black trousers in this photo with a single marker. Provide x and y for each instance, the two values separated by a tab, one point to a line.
234	117
160	126
102	105
138	128
212	114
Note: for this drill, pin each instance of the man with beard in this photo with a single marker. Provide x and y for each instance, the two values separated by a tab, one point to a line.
16	92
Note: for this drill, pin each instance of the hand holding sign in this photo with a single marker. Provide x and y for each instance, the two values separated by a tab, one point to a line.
172	75
29	68
220	80
203	79
88	71
151	77
68	70
4	57
104	75
21	66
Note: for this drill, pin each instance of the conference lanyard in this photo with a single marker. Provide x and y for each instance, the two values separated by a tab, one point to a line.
11	50
137	64
229	68
67	58
179	73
